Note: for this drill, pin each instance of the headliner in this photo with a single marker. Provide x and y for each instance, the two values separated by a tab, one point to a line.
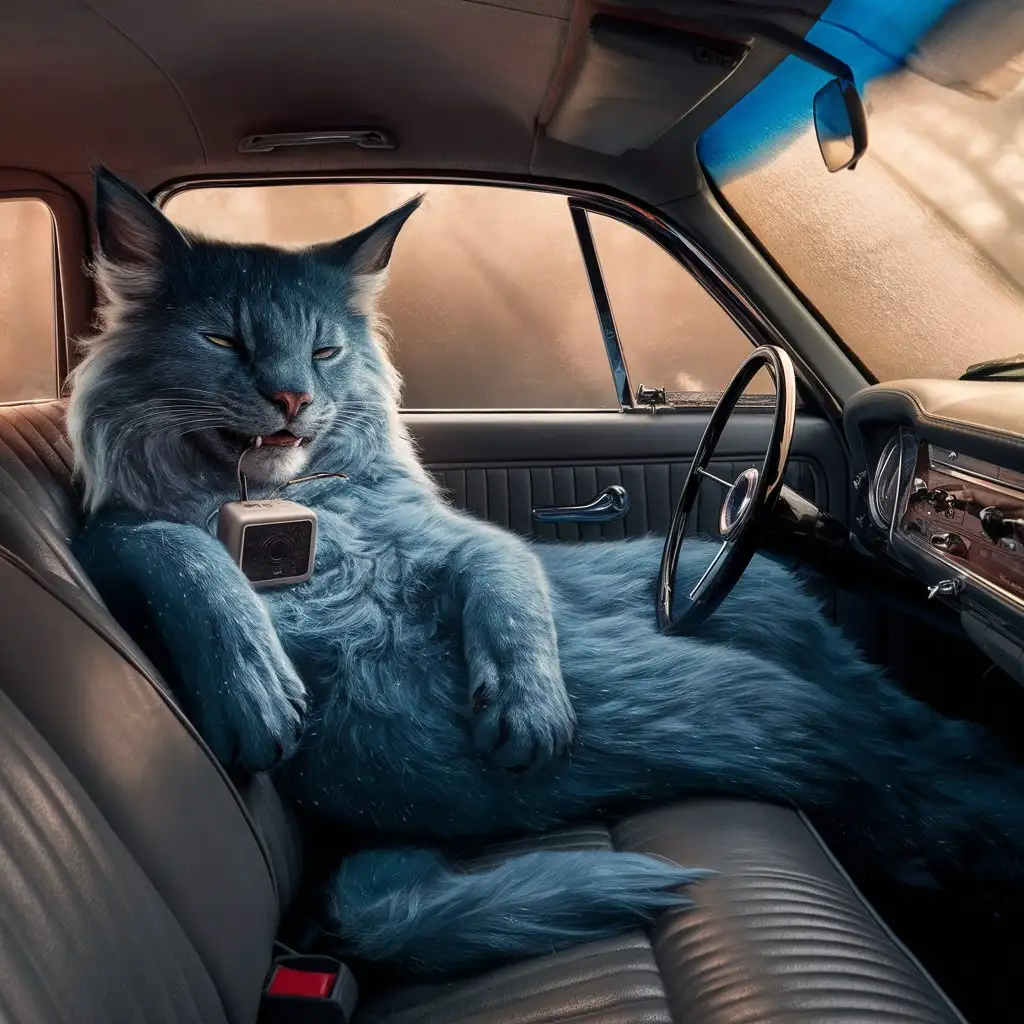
160	90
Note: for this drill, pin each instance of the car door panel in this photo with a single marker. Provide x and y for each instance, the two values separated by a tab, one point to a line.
507	495
501	466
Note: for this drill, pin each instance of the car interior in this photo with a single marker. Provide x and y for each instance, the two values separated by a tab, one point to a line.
142	881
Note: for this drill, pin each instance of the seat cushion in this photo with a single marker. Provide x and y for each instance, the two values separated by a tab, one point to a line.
157	787
40	510
38	463
87	937
780	935
40	514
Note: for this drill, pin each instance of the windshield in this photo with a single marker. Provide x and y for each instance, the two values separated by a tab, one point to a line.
916	258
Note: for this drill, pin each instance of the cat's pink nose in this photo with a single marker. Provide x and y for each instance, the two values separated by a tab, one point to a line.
291	402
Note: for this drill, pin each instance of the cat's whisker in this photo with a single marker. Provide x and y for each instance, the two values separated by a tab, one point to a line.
179	403
156	416
190	426
182	407
149	412
175	412
352	418
165	399
193	406
156	423
196	429
184	390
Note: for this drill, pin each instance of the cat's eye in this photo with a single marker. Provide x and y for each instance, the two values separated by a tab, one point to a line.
218	339
326	353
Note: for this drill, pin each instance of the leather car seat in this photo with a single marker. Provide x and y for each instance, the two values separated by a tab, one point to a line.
141	884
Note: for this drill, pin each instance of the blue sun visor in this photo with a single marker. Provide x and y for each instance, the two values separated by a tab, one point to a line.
874	37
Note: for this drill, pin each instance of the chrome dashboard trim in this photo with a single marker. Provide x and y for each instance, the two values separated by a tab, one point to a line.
903	479
903	544
990	483
896	510
992	589
888	451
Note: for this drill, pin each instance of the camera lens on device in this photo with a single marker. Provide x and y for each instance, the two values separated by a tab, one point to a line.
277	550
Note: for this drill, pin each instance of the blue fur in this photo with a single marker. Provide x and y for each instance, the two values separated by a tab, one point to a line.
410	905
455	682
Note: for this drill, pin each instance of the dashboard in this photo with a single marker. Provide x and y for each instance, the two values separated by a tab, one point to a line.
943	466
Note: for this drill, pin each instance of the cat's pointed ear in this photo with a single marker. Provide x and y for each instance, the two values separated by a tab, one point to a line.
132	233
366	254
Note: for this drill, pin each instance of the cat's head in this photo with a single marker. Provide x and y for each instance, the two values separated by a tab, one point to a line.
205	346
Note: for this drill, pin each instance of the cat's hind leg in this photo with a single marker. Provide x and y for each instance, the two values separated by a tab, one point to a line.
770	612
898	788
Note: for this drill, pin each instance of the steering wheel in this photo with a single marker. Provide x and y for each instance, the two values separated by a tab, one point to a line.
748	504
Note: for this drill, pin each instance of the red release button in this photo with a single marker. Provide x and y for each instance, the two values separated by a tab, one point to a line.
307	984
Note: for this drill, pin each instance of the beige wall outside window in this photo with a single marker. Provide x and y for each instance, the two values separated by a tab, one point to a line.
489	301
28	324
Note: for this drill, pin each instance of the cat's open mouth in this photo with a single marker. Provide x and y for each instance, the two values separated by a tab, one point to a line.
282	439
279	439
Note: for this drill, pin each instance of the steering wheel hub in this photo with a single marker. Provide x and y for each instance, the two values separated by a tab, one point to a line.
738	501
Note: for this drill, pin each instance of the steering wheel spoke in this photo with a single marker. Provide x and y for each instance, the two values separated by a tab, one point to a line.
748	503
700	588
717	479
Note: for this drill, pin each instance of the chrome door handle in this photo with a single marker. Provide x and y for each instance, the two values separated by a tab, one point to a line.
611	504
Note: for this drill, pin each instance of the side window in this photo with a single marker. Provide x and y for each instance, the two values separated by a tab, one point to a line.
28	314
674	335
488	300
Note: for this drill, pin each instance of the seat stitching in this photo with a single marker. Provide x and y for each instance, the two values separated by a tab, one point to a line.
48	446
52	519
161	691
859	896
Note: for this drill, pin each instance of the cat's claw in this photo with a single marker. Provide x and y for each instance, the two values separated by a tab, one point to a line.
254	720
522	719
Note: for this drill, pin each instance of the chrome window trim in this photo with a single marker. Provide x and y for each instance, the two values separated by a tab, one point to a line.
602	306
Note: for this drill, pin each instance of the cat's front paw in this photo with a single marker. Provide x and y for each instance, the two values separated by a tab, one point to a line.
253	718
522	717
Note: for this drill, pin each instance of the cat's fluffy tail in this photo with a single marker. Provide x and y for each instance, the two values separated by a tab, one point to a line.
411	909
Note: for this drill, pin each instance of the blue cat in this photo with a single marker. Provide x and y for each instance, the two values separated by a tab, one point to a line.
438	678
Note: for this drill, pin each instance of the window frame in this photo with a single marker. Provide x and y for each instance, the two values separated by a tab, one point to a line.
581	202
74	296
58	341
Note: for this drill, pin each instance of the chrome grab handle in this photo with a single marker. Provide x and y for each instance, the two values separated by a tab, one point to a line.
611	504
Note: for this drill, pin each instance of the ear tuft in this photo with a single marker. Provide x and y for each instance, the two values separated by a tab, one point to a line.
368	251
365	255
373	253
132	233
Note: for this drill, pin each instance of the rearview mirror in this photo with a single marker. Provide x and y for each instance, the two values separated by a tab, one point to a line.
841	124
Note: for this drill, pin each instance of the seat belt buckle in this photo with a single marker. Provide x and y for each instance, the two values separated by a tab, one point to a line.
304	989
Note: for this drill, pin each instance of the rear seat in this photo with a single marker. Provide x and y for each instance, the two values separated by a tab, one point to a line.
141	885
